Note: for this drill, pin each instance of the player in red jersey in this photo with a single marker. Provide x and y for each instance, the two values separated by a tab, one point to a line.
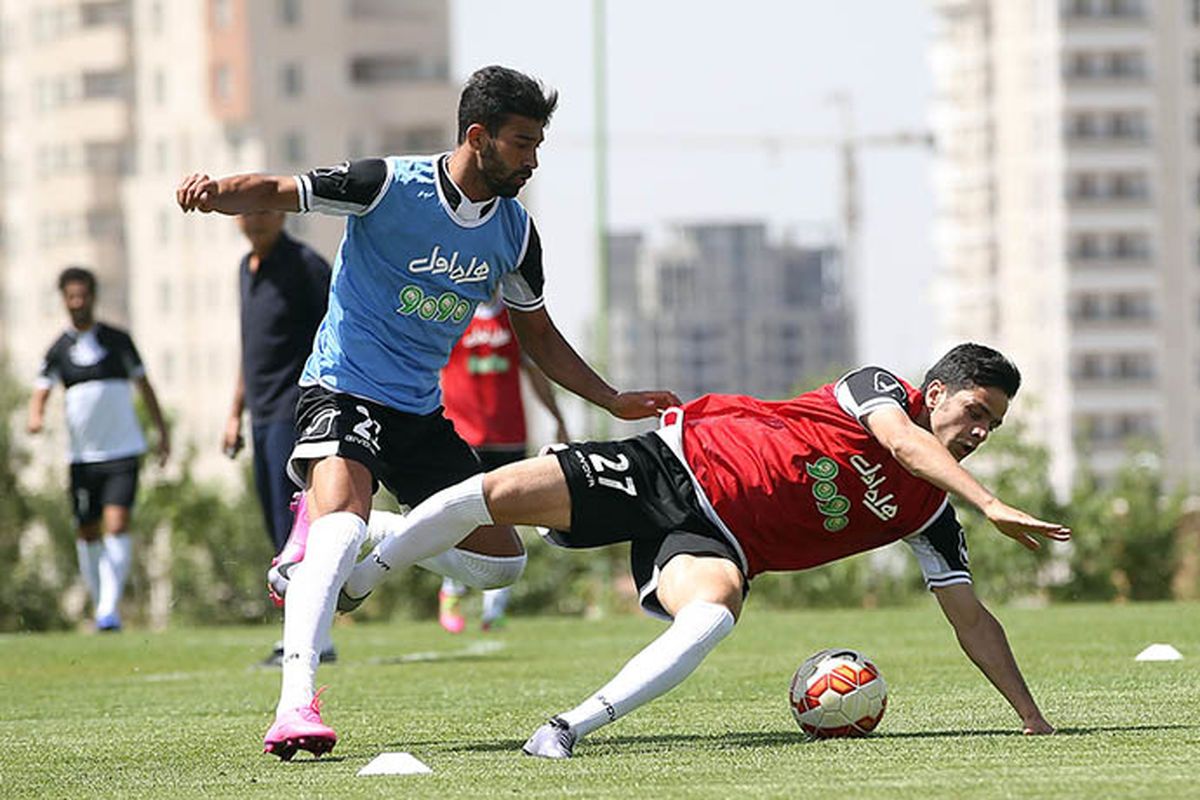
732	486
481	395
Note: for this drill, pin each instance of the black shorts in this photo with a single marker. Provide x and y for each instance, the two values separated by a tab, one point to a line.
495	457
102	483
637	491
413	455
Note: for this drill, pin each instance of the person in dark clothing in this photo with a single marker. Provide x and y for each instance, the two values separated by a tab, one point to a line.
284	285
283	289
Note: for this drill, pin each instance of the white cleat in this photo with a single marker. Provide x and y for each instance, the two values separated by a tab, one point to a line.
555	739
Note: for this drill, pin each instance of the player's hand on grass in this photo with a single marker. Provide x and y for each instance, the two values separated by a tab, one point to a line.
196	192
1037	727
1018	525
639	405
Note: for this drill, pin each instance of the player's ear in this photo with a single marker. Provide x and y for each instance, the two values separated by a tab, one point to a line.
935	393
477	136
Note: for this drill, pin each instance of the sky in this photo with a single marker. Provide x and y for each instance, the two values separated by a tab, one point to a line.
696	89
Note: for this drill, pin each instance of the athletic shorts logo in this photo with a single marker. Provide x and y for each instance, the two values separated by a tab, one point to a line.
366	432
322	425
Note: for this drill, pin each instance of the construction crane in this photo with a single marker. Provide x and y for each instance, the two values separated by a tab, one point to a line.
847	143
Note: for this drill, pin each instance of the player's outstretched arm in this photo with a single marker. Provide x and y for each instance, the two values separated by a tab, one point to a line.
547	348
238	194
982	638
919	452
37	409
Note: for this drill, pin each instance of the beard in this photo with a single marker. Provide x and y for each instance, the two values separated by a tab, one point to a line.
499	178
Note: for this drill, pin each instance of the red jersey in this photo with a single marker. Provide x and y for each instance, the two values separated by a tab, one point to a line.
801	482
481	384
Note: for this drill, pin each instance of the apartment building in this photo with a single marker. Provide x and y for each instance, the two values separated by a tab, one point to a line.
1068	186
721	307
108	103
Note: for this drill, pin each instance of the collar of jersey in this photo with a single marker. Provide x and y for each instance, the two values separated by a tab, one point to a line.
461	208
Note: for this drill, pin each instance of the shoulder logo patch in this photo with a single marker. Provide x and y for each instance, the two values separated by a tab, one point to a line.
887	384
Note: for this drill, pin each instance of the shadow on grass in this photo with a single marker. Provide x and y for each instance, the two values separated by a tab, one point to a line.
1083	731
425	658
755	739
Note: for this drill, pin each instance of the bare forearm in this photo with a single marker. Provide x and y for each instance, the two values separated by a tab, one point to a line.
152	407
37	410
986	645
561	364
922	455
238	194
239	395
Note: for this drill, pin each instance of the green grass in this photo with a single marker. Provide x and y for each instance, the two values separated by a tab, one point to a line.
182	715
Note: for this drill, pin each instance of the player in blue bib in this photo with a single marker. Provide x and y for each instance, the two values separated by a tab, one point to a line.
427	239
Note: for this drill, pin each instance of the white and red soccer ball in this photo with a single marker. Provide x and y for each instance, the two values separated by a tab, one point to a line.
837	693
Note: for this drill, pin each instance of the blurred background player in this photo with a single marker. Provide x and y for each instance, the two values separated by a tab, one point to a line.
283	290
481	395
95	363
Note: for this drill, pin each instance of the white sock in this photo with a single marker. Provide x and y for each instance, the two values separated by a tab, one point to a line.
113	569
89	565
436	525
698	628
494	603
475	569
453	587
333	542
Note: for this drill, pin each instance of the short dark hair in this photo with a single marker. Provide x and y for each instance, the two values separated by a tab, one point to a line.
494	93
77	275
970	365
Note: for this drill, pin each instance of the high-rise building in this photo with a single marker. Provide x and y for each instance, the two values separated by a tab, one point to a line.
1068	185
107	104
722	308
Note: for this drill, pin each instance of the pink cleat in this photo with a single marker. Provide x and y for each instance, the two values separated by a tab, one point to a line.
279	575
448	616
300	729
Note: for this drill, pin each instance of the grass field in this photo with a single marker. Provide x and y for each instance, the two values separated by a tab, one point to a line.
182	714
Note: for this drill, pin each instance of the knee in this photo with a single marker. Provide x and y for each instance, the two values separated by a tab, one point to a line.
689	579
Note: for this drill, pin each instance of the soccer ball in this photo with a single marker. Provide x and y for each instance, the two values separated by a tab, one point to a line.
837	693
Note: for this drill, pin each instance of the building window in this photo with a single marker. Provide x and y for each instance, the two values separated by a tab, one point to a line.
292	80
289	12
164	226
104	85
160	87
293	148
160	155
414	140
369	70
107	158
98	14
222	82
156	17
376	9
222	14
